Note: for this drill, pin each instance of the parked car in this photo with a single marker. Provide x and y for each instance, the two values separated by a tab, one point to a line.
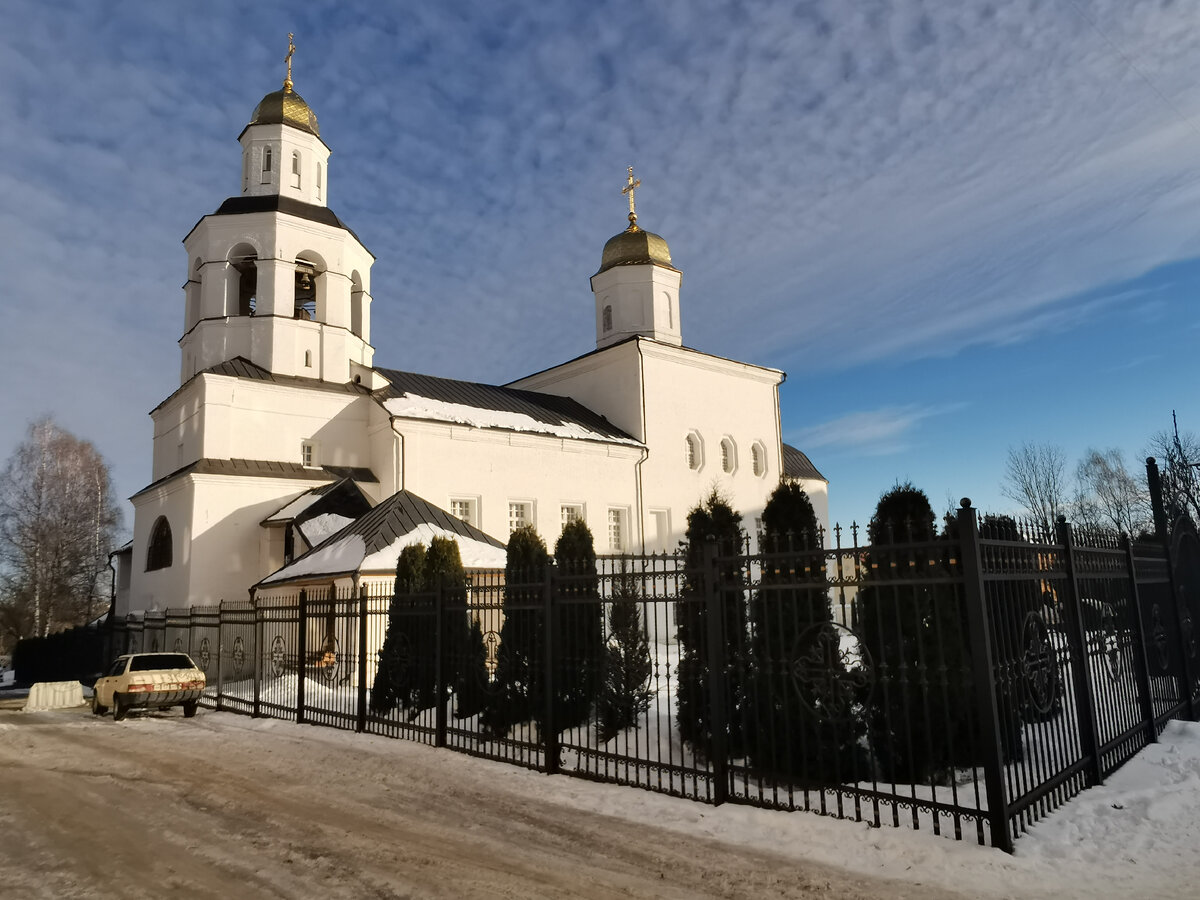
149	681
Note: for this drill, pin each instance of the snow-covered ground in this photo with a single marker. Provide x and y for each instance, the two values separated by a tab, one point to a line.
1137	836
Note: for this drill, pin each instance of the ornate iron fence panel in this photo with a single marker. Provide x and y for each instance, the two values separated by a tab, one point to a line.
1164	660
177	627
154	632
402	666
204	635
236	663
277	667
331	656
1185	556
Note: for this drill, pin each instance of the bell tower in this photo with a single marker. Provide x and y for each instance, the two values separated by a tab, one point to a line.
274	276
636	288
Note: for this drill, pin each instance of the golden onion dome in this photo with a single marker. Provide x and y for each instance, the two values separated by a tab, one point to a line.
635	247
285	107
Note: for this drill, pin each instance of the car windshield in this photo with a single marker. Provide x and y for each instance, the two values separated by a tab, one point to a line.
161	661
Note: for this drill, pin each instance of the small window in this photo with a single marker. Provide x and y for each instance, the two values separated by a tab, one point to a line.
728	455
571	512
463	508
266	165
606	316
308	454
158	554
245	171
308	359
616	530
693	452
295	168
519	515
318	181
756	460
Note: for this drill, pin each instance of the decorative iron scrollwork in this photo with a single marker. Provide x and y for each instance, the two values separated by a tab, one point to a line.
278	653
486	677
1158	634
154	645
1113	661
331	658
831	670
178	646
1039	664
205	655
239	655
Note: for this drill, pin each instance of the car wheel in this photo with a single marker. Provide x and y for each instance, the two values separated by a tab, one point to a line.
97	709
189	708
119	708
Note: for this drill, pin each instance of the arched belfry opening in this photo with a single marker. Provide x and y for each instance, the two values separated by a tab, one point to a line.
309	292
243	278
356	304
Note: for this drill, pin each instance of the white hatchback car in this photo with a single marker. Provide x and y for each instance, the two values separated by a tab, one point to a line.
149	681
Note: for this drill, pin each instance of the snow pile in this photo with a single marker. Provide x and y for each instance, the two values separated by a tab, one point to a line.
413	406
318	528
54	695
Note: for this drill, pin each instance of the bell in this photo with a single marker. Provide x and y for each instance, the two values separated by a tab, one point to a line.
305	282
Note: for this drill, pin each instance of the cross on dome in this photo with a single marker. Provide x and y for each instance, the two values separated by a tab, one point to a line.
630	186
287	82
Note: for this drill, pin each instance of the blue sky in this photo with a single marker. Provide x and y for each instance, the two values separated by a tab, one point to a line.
956	225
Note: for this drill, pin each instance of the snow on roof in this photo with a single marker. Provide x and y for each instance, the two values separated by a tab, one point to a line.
334	558
318	528
413	406
475	554
293	509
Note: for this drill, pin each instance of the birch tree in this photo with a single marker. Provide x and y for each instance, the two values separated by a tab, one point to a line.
58	522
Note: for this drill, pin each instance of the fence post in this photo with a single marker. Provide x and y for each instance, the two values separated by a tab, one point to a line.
220	648
361	723
717	675
302	654
1082	676
1154	483
550	748
257	657
984	675
439	662
1142	664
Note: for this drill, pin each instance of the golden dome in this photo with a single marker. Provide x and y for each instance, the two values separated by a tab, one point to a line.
635	247
285	107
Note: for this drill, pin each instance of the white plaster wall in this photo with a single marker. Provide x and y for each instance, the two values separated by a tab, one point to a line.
609	383
167	587
644	300
283	141
444	461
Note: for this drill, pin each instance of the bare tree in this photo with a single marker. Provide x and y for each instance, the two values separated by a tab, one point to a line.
58	521
1107	489
1178	455
1035	477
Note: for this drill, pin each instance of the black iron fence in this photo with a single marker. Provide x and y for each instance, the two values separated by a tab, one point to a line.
967	683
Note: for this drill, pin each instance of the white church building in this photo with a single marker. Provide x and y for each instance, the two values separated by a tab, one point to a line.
284	438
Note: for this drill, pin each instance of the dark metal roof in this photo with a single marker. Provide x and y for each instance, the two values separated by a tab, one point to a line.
236	206
797	465
240	367
262	468
343	498
401	513
385	524
546	408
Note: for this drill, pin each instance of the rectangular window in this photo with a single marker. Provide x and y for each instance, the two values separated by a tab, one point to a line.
616	530
463	508
266	165
308	454
520	514
571	512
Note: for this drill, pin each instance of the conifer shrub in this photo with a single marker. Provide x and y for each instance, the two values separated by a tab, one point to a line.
920	714
398	679
579	627
625	691
519	676
713	520
804	715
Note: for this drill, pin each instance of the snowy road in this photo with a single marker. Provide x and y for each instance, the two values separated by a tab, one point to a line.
224	805
227	806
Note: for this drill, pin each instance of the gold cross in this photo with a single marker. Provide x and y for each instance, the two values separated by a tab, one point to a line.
287	82
630	186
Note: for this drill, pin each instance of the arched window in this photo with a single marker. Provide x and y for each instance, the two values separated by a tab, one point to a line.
245	171
728	455
266	166
158	554
356	304
295	168
756	460
693	452
318	180
308	359
670	310
606	318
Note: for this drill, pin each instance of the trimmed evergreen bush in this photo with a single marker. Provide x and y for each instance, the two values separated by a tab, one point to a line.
804	719
714	520
579	627
519	678
398	680
625	691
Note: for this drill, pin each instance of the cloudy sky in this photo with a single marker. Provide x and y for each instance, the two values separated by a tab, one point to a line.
957	225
